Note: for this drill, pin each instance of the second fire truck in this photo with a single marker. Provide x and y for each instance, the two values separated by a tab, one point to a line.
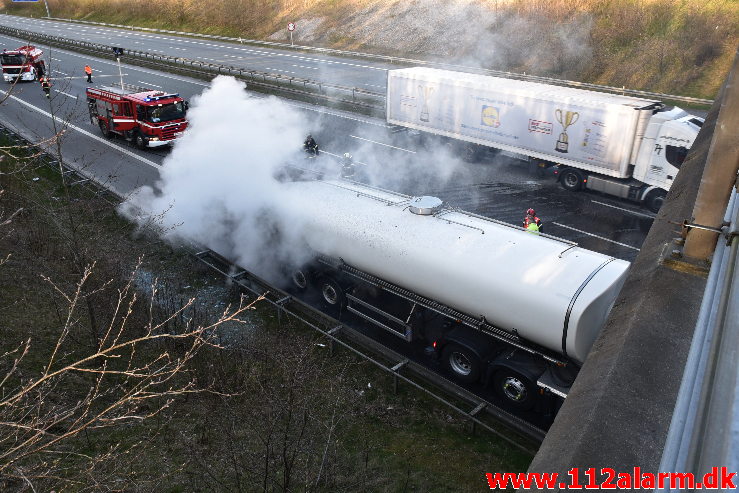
23	64
146	117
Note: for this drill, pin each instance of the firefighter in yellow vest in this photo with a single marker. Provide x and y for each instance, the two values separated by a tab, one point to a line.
532	223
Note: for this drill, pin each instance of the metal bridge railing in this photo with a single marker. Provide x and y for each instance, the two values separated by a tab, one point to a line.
705	422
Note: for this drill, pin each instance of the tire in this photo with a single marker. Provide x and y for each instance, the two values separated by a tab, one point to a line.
332	293
299	279
104	129
654	200
571	180
141	141
515	389
462	363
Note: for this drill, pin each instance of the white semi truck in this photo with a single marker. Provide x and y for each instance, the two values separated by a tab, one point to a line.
623	146
496	304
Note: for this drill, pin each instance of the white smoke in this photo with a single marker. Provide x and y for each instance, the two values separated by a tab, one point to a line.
218	185
221	185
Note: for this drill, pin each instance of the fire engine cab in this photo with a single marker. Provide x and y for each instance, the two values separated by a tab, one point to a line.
25	63
148	118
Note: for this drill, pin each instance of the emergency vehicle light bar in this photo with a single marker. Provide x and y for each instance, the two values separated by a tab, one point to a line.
162	96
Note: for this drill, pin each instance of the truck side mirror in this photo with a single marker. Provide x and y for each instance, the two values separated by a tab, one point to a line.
186	105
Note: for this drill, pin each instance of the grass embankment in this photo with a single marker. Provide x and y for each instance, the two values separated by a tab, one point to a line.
277	412
671	46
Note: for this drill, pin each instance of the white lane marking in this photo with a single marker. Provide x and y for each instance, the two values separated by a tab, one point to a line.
279	70
55	59
66	94
60	72
83	132
596	236
622	209
380	143
305	66
149	84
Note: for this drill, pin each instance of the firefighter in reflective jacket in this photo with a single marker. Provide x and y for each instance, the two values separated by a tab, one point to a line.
46	85
532	223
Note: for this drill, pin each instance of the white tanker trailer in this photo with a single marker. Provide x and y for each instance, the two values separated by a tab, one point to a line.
496	303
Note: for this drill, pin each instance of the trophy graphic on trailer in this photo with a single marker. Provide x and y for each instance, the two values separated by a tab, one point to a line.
566	119
425	93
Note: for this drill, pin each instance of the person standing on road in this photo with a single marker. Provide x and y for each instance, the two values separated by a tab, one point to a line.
532	223
46	85
347	166
88	71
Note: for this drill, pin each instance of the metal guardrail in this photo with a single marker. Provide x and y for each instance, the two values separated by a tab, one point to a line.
336	332
336	93
414	62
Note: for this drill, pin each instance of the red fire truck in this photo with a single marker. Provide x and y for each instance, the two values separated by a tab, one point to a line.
144	116
25	63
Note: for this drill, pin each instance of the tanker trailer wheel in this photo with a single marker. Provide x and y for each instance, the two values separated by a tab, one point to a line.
332	293
462	363
654	200
515	388
300	279
571	180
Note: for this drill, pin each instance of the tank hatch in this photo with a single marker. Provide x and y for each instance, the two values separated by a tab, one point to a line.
425	205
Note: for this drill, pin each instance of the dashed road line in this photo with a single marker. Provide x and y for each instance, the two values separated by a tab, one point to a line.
380	143
622	209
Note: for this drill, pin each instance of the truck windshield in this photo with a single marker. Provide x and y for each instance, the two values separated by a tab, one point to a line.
165	113
12	59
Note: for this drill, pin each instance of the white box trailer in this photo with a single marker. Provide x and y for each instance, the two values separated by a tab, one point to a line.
586	133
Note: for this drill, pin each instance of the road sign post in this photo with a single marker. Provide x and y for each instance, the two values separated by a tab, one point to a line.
291	28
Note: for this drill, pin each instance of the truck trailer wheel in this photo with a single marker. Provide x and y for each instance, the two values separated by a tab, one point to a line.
332	293
300	279
654	200
141	141
515	388
462	363
571	180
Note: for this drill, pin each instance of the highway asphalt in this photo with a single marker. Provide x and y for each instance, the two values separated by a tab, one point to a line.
364	74
502	187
